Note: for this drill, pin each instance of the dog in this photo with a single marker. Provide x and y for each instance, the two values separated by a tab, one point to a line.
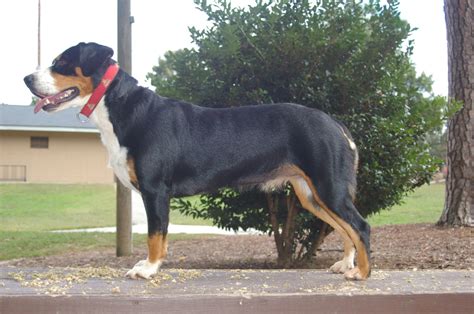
164	148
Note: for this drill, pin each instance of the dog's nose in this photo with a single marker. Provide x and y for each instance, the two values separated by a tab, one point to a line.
29	79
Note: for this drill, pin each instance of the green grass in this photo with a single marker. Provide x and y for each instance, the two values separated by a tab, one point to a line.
24	244
44	207
423	206
28	212
41	207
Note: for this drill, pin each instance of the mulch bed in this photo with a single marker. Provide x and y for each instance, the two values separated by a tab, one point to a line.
417	246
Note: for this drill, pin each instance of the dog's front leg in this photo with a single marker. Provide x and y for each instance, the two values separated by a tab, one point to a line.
157	210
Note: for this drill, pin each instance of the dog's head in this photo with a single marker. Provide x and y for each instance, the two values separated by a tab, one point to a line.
71	78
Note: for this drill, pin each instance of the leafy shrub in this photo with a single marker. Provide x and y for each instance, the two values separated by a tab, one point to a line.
348	58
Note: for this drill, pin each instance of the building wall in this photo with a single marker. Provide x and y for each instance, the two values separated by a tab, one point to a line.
70	157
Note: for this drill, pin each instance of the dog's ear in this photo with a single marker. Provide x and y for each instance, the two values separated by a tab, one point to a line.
93	56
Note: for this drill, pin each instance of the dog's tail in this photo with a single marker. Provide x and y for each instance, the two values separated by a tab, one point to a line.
355	160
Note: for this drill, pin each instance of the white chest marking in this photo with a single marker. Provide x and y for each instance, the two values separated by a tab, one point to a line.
117	154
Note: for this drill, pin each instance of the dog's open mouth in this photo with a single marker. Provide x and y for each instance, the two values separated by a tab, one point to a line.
51	102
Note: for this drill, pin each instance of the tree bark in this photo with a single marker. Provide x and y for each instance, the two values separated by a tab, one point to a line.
272	205
458	208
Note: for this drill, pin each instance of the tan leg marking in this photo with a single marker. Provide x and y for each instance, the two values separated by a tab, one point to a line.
347	262
362	270
157	248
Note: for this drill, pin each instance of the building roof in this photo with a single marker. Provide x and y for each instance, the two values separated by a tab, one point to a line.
22	118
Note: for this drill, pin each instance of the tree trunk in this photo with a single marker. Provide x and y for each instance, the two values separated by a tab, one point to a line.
458	208
285	238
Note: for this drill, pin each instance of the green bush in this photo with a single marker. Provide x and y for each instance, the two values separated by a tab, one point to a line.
348	58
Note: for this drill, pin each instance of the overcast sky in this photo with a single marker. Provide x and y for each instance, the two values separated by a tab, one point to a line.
159	26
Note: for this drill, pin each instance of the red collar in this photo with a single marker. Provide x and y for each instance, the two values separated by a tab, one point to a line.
100	90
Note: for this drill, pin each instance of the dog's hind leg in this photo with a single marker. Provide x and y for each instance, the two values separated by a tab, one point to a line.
359	239
305	196
359	232
157	210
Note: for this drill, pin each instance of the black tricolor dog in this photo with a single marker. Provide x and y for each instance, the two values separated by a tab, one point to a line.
165	148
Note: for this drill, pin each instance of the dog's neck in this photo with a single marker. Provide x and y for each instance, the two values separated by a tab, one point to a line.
119	106
121	87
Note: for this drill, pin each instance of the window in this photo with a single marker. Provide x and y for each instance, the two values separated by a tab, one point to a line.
13	173
39	142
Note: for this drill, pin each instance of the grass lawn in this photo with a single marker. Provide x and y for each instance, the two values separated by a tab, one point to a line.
44	207
423	206
28	212
21	244
24	244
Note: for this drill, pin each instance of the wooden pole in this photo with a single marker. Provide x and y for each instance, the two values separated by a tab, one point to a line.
124	197
39	35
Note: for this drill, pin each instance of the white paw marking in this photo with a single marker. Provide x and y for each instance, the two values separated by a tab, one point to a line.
353	274
144	269
341	267
344	265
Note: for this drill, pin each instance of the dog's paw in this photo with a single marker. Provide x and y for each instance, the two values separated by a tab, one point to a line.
354	274
144	269
342	266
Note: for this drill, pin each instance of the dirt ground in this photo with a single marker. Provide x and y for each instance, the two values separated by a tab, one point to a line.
420	246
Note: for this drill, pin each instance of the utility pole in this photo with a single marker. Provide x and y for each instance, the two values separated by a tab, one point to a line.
124	197
39	35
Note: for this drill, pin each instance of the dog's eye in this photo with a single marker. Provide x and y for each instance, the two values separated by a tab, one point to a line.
63	67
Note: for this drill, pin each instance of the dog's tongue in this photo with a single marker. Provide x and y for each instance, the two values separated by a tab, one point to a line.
43	102
50	100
